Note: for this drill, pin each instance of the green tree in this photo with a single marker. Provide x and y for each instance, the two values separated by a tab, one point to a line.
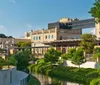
52	55
87	43
67	56
11	61
24	44
22	58
3	36
96	54
70	54
78	57
34	59
2	62
95	10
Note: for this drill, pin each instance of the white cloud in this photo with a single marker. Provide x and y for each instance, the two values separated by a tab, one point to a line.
13	1
29	25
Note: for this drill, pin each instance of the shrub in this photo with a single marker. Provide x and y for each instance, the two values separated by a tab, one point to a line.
95	81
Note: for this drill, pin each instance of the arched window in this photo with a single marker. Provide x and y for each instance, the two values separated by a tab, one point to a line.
48	36
34	37
52	36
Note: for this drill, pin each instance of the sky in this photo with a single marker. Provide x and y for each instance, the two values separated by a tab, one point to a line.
20	16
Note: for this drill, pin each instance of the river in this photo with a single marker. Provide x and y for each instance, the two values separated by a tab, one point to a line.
46	80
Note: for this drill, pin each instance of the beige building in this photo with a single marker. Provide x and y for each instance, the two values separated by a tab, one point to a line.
97	26
4	42
27	35
54	34
8	44
39	37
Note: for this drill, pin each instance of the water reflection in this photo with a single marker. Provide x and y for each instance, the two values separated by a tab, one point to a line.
45	80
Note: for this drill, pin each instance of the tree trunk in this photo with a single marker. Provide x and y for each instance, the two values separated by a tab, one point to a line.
85	55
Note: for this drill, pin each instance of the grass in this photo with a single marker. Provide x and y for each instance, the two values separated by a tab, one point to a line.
33	81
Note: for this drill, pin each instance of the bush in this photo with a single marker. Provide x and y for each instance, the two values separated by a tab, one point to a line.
73	74
95	81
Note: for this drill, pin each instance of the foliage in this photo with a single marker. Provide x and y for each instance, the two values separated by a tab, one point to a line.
88	42
22	59
32	58
78	57
2	62
64	56
95	81
24	44
73	74
4	36
52	55
96	53
33	81
95	10
70	53
11	61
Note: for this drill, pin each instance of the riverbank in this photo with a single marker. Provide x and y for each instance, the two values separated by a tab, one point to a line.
33	81
82	75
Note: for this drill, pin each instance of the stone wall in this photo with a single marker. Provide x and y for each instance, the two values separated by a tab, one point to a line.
12	77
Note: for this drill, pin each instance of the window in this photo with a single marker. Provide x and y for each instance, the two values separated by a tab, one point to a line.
39	37
52	36
48	36
34	38
45	37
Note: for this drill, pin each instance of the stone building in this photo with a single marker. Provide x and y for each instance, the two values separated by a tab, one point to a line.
56	31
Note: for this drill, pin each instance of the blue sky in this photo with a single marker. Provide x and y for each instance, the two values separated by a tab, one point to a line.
19	16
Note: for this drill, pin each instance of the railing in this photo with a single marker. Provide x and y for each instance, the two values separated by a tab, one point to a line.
25	80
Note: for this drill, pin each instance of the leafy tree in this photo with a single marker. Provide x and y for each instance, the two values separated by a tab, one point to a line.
3	36
95	10
78	57
87	43
10	61
70	54
96	53
32	58
64	56
24	44
75	55
22	58
10	37
52	55
2	62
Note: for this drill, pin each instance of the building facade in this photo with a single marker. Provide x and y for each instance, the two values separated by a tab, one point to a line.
55	31
8	45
